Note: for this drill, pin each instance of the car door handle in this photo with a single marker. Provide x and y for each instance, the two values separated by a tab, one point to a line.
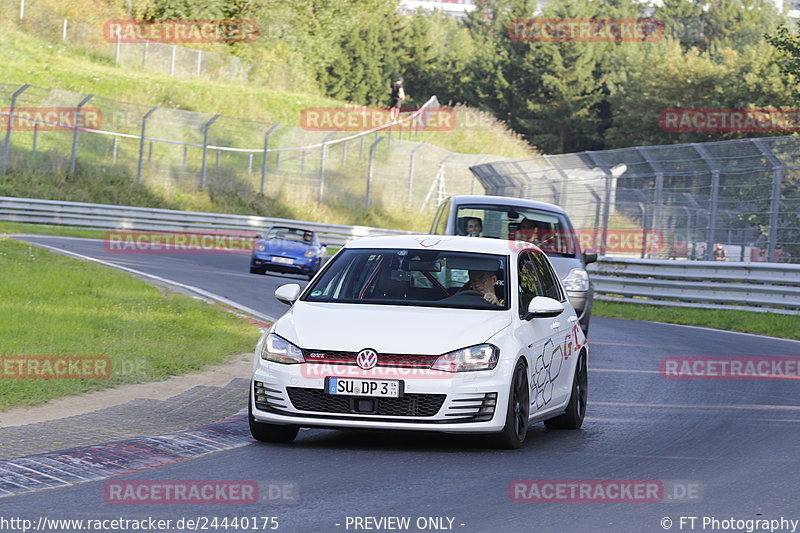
555	325
572	319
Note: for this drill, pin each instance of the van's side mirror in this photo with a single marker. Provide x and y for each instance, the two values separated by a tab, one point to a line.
543	307
288	293
589	256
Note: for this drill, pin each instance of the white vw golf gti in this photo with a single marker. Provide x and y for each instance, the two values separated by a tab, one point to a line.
436	333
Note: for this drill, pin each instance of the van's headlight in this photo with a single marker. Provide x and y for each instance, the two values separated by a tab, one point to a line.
281	351
481	357
577	280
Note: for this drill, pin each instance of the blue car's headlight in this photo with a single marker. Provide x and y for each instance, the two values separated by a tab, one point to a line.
260	247
311	253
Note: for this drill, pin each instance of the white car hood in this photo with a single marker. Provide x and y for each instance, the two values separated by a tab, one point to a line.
388	328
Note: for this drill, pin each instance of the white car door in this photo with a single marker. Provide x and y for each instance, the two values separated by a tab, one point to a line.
546	360
565	335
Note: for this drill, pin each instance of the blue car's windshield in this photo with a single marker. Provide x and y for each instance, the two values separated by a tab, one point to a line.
291	234
426	278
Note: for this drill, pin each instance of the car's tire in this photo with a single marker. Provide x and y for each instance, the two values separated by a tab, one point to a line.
275	433
576	408
517	412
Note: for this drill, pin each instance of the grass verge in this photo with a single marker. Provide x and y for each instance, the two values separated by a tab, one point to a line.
772	324
56	306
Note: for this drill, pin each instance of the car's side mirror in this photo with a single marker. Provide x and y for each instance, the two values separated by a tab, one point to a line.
288	293
589	256
259	236
544	307
324	244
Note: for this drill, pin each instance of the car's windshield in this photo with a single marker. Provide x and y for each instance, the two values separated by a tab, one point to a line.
548	230
426	278
291	234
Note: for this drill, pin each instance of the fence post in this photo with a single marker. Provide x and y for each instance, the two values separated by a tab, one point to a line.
712	215
73	163
250	164
411	172
141	144
21	11
7	142
323	160
369	170
64	31
656	209
114	151
774	211
203	169
266	155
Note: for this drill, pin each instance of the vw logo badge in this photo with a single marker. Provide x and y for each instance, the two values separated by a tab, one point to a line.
367	359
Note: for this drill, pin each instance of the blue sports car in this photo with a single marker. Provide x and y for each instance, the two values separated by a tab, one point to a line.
286	249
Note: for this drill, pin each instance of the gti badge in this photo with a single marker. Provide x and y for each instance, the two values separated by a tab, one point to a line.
367	359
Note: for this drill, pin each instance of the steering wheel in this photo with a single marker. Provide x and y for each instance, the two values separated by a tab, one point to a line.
471	292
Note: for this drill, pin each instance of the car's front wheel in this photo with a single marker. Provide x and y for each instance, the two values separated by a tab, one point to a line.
275	433
576	408
517	413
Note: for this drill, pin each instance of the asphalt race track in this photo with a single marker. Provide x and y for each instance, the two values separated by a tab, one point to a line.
734	444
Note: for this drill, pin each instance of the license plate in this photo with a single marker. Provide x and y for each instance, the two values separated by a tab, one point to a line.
284	260
363	387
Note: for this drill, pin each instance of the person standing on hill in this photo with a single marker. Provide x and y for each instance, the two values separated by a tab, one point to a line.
397	96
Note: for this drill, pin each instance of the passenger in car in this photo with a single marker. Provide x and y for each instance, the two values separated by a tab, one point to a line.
474	227
485	282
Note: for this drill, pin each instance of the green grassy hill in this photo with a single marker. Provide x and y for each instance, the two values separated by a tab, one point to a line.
27	57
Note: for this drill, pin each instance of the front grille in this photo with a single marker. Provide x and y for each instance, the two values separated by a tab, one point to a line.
318	401
384	359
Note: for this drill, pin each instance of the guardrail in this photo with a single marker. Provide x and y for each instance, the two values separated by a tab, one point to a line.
773	287
112	217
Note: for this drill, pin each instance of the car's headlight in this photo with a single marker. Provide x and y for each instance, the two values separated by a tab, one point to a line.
260	247
481	357
311	253
577	280
281	351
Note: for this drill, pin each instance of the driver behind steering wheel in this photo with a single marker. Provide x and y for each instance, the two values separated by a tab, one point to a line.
484	282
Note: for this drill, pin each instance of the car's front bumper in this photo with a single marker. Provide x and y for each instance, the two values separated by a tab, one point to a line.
431	401
303	265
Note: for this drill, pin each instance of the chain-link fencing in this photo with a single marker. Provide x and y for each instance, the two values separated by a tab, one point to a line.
66	132
729	200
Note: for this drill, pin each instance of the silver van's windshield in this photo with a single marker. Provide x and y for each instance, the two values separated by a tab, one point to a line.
549	230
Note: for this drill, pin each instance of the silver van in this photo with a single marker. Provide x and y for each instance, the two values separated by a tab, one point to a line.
546	225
